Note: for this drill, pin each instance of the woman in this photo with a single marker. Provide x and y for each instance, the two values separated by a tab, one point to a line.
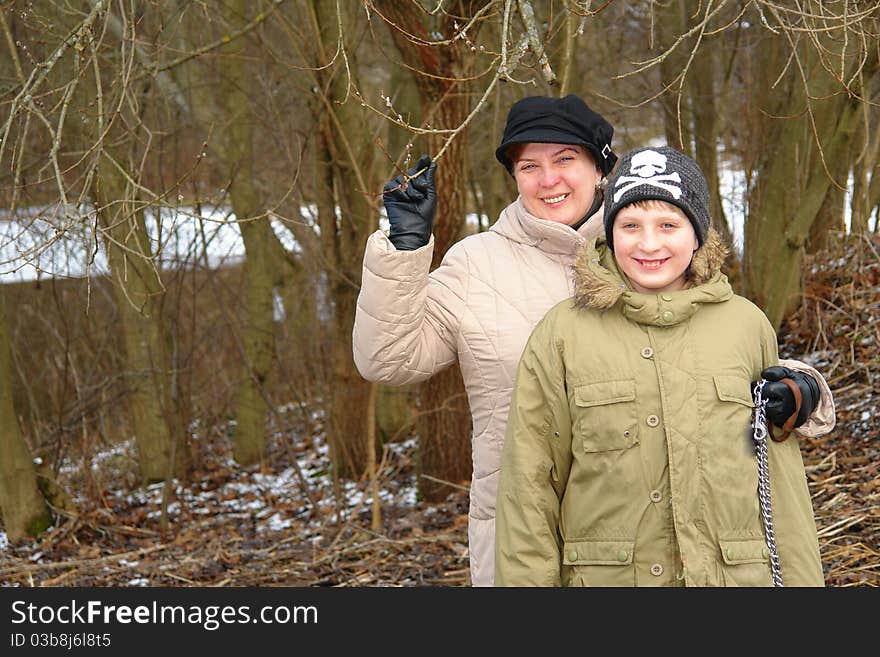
480	305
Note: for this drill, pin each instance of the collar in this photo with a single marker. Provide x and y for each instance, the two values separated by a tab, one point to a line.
518	224
600	284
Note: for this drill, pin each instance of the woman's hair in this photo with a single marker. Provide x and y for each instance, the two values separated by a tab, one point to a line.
513	152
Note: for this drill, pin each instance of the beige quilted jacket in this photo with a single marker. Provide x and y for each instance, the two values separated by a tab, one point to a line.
478	307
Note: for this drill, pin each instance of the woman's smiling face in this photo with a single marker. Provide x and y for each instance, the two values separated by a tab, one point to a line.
557	182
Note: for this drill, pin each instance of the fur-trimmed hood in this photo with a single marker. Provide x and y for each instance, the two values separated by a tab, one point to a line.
600	284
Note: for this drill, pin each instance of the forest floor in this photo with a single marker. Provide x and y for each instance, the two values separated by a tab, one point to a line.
288	523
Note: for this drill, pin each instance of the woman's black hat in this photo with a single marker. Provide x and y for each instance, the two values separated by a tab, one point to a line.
543	119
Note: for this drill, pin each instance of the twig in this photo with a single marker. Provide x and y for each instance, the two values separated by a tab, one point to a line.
31	568
445	483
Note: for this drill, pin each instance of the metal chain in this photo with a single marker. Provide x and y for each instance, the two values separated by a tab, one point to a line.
759	427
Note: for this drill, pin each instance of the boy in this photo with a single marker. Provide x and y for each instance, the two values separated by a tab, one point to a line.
628	458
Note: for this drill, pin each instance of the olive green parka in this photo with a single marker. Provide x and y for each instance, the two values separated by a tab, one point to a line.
628	458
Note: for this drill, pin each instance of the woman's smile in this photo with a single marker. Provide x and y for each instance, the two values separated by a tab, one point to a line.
555	200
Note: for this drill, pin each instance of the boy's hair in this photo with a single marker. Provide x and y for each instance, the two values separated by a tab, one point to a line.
661	174
652	203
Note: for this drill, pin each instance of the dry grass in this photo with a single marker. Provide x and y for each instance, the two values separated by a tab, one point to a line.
838	330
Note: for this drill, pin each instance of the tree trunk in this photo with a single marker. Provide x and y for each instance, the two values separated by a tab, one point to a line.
791	183
444	434
139	295
828	218
24	509
259	343
671	22
235	148
346	179
349	393
866	172
405	98
874	199
701	80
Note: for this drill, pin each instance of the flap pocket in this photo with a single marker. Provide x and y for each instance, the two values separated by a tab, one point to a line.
604	415
739	551
597	553
734	389
605	392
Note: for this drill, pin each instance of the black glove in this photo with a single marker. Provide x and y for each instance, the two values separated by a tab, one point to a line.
411	208
780	398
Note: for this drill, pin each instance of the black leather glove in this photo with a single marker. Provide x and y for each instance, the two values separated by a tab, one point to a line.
411	208
780	398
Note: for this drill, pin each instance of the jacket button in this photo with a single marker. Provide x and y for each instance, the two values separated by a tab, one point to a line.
668	316
657	570
652	420
622	555
730	554
572	555
647	352
666	297
765	552
656	496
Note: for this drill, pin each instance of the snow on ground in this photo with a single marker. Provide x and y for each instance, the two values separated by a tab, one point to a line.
271	500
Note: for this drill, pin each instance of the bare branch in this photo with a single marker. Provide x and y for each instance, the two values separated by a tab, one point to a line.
527	13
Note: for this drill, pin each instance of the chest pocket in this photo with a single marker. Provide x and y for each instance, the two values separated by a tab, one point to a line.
734	412
605	415
734	389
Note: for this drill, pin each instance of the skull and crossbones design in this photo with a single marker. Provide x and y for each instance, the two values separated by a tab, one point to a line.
648	167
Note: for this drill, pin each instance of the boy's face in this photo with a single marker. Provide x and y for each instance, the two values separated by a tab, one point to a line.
653	245
557	182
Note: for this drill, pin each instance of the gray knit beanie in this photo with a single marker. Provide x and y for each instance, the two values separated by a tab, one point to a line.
661	174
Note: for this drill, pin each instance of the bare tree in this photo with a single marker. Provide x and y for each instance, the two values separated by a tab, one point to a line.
807	98
224	89
804	77
23	507
94	168
345	183
443	77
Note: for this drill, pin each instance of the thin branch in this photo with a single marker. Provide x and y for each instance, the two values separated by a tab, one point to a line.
527	13
219	43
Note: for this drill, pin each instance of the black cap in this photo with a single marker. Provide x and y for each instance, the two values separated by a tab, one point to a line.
658	174
542	119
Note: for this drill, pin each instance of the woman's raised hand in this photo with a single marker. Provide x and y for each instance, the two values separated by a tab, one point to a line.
411	203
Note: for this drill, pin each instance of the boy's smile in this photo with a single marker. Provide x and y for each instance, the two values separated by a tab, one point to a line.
652	264
654	243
